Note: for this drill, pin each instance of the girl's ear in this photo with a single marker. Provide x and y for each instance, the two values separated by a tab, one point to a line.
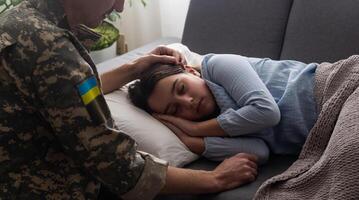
191	70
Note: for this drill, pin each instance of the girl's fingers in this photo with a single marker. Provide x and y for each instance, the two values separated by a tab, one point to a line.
172	119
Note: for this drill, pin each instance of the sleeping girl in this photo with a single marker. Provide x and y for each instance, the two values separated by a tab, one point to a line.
232	104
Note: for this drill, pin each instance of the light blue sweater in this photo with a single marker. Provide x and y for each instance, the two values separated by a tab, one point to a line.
259	100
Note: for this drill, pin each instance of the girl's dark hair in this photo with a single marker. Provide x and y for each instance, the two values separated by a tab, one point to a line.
140	91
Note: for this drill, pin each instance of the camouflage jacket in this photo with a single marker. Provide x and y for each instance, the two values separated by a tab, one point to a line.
57	138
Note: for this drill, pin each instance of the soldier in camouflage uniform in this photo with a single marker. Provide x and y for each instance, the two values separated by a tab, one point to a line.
57	137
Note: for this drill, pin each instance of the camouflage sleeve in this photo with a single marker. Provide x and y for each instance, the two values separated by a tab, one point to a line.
67	92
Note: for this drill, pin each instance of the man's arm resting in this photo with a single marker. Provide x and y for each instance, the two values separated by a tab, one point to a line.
117	78
151	181
158	178
187	181
231	173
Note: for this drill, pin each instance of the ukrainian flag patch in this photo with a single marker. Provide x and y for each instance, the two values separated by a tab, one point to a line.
89	90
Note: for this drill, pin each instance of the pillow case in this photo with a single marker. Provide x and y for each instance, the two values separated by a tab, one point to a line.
150	134
193	59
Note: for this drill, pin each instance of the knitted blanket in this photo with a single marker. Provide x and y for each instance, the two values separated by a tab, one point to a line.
328	166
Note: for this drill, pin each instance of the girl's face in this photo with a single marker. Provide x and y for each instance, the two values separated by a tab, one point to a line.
183	95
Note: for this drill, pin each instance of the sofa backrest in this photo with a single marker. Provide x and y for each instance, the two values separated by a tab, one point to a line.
322	30
246	27
305	30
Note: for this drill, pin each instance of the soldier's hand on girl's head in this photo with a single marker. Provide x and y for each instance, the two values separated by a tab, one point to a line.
140	65
163	50
161	54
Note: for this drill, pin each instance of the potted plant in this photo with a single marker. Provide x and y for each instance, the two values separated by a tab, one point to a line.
6	4
106	47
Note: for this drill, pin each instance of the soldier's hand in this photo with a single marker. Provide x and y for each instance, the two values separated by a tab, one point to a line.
163	50
161	54
236	171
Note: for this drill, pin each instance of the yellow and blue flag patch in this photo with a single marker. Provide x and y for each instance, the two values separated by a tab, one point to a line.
89	90
93	100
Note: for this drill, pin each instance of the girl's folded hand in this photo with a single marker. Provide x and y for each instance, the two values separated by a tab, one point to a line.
208	128
189	127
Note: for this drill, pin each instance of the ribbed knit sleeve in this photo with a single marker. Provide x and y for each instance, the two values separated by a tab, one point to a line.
257	109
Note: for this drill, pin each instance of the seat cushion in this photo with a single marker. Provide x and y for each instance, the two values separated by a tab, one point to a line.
247	27
322	30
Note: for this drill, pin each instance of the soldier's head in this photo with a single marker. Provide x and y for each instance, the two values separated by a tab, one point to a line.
90	12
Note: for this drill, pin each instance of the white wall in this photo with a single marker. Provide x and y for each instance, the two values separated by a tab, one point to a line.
173	15
160	18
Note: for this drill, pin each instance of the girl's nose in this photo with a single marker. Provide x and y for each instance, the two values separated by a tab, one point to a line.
187	101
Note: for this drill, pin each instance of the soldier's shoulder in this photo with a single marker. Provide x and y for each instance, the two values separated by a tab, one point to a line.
22	23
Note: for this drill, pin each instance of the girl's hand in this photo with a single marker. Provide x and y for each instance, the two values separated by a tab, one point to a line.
191	128
208	128
194	144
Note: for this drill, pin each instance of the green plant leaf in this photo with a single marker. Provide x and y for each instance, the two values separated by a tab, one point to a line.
144	3
109	35
118	15
2	2
112	16
15	2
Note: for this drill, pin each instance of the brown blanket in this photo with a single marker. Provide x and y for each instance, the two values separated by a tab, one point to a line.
328	166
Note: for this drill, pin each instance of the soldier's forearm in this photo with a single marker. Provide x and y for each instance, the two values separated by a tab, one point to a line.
117	78
187	181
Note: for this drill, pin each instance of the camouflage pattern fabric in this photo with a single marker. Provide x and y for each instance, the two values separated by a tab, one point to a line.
57	138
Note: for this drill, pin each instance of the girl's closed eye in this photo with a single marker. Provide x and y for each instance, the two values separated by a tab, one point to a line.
181	89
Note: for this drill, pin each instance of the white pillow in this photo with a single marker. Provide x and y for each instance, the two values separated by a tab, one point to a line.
151	135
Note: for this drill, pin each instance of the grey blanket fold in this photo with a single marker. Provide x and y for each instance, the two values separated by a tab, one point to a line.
328	166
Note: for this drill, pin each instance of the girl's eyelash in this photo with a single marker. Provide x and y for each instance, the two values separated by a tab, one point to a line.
182	88
175	111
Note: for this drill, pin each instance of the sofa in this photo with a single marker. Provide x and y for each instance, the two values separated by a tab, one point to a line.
308	31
